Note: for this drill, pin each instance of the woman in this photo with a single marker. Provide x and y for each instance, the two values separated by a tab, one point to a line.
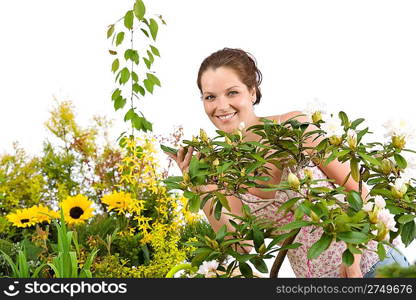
229	84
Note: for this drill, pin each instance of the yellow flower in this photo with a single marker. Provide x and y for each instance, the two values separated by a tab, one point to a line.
77	209
119	201
43	214
22	218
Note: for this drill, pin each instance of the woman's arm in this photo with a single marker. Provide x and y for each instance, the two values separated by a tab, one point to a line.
337	171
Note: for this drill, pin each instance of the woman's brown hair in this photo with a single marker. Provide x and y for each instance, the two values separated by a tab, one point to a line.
242	62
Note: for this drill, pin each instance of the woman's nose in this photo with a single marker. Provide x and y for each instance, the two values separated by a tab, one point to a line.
222	102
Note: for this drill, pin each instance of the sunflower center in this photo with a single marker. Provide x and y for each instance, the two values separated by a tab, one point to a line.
76	212
24	220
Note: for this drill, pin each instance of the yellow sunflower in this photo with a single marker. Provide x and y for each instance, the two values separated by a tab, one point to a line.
119	201
22	218
43	213
77	209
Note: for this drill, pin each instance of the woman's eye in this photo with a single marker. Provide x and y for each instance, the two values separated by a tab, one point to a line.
209	97
233	93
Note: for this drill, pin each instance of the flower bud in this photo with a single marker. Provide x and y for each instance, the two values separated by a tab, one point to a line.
293	181
386	166
243	172
398	141
382	232
352	139
194	139
186	177
262	249
399	189
308	174
203	135
315	217
228	141
335	140
216	162
316	117
373	215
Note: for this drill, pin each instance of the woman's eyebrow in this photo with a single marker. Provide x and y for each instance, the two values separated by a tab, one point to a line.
235	86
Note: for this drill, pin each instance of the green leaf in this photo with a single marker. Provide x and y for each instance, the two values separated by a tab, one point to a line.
246	270
347	257
145	32
153	28
116	94
119	103
294	225
128	19
193	167
125	75
134	77
352	237
258	237
221	233
150	55
320	246
115	65
110	31
355	201
119	38
131	114
194	203
356	123
155	50
381	251
147	62
355	173
223	200
400	160
139	9
260	265
218	210
153	78
370	159
344	119
408	233
148	85
406	218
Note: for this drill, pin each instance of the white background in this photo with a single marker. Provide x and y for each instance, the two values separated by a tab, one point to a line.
356	56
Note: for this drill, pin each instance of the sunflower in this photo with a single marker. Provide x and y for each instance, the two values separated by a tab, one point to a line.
119	201
43	213
77	209
22	218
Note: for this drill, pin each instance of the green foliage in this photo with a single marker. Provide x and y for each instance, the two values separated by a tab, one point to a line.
134	81
396	271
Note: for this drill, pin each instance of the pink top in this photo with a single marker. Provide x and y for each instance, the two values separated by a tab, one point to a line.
328	263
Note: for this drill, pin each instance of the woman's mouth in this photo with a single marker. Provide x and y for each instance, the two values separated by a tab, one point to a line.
226	117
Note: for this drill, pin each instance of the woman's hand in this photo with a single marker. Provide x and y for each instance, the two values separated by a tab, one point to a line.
182	159
353	271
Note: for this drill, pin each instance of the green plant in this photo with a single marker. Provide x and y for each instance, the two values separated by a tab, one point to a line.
20	268
65	265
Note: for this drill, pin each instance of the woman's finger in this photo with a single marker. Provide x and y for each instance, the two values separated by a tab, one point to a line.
188	156
181	154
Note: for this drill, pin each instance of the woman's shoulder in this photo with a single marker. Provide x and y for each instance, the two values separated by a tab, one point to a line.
286	116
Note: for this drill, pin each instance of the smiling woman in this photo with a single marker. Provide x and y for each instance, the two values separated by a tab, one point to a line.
229	84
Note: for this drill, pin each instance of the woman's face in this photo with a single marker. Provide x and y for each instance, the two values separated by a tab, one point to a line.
227	101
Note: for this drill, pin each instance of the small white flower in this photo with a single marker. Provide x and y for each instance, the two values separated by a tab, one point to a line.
128	215
368	206
380	202
400	185
208	268
315	107
242	126
352	138
399	128
332	126
385	217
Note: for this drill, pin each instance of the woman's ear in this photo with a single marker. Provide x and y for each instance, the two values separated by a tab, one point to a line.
253	95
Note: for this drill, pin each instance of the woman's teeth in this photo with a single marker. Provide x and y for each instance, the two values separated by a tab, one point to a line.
226	117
